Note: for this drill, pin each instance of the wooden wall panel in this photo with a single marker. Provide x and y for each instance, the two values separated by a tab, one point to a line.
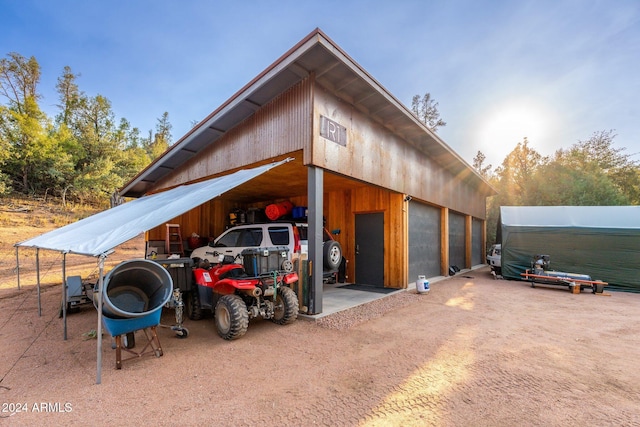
207	220
374	199
280	127
338	212
468	241
398	260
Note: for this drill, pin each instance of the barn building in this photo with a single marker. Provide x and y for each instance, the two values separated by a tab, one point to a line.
405	203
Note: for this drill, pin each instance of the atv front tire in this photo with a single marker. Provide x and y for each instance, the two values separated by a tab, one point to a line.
286	306
232	317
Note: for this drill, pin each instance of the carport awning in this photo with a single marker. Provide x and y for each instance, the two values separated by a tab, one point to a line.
100	233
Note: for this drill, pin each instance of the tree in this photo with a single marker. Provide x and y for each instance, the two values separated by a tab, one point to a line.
478	165
593	173
19	78
426	110
599	152
516	183
28	152
69	95
559	185
158	143
85	152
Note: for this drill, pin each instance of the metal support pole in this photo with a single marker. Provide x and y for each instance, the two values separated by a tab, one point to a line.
64	293
18	267
38	281
315	190
99	328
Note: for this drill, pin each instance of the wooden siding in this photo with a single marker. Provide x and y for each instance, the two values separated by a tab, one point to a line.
282	126
341	210
207	220
375	155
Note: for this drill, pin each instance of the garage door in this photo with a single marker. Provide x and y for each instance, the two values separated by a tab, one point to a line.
424	240
456	240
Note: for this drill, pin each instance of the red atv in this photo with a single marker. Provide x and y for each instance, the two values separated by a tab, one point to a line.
236	292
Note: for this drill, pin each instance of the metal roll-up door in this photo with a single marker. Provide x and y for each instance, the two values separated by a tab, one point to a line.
424	240
456	240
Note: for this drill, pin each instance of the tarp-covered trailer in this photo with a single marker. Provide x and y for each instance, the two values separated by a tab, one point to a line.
600	241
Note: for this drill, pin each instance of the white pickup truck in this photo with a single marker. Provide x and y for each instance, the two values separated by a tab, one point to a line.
494	257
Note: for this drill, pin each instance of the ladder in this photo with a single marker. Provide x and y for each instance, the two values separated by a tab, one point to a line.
173	240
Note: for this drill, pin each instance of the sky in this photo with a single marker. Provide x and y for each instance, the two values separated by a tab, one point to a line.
553	71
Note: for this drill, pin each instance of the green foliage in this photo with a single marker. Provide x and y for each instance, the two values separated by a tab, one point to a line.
84	153
589	173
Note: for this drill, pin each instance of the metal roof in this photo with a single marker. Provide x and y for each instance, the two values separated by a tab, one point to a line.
335	71
605	217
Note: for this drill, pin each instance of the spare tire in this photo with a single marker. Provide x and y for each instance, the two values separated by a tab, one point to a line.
332	252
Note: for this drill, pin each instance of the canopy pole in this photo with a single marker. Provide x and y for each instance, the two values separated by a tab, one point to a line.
64	293
18	266
99	308
38	281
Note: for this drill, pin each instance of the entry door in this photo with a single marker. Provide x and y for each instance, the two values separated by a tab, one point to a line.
370	249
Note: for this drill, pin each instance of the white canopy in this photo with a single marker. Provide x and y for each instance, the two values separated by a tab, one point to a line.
99	233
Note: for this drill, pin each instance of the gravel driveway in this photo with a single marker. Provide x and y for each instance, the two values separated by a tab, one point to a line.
473	351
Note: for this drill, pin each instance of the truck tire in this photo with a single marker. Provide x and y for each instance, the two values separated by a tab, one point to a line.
232	317
332	252
286	306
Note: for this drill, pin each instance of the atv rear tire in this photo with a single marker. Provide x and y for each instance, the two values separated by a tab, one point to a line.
194	309
286	306
232	317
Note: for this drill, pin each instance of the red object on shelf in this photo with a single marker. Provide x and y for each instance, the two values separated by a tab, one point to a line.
277	210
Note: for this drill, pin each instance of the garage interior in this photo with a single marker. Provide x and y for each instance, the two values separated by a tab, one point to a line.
362	162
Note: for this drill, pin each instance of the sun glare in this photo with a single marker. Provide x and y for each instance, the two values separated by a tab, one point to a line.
507	125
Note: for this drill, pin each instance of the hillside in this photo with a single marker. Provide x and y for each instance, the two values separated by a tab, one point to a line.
22	219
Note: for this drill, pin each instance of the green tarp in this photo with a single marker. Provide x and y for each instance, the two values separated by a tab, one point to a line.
601	241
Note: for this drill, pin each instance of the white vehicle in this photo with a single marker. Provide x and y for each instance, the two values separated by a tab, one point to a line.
494	257
277	234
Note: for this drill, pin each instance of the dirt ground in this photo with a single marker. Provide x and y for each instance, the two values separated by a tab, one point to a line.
473	351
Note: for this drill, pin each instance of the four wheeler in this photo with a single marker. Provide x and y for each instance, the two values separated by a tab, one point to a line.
237	293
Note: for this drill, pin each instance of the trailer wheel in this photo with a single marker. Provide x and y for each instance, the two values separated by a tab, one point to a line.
232	317
598	289
129	340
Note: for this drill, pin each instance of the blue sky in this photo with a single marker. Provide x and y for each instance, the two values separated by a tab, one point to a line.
553	71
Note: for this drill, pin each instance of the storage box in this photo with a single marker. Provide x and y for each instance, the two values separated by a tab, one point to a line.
299	212
180	270
263	261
